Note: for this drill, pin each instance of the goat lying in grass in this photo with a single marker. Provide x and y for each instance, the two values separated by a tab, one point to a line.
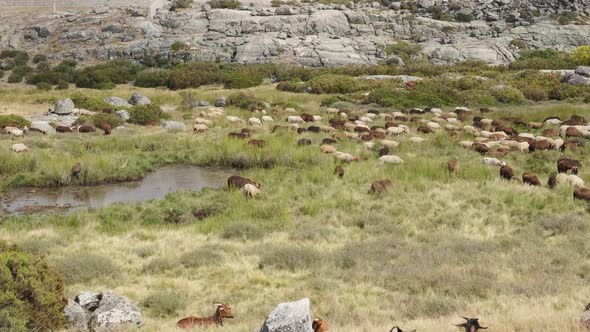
222	311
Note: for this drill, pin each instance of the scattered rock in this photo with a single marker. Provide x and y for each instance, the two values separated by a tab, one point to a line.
101	312
19	147
395	60
64	107
123	114
404	78
117	102
289	317
221	102
76	316
284	10
174	125
583	71
139	99
43	127
101	10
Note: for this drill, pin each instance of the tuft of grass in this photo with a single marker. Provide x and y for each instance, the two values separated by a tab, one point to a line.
84	268
165	302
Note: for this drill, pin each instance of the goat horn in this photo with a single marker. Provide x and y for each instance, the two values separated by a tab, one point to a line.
483	327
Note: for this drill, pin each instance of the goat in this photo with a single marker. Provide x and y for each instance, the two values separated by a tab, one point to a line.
236	181
471	325
582	193
339	171
319	325
566	164
76	169
380	186
453	166
506	172
530	179
221	311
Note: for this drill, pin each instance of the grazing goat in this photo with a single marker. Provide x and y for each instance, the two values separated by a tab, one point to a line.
105	127
257	143
482	148
453	166
250	190
339	171
380	186
304	141
506	172
76	169
239	135
236	181
86	129
383	151
329	141
530	179
221	311
471	325
566	164
398	329
582	193
552	181
319	325
539	145
63	129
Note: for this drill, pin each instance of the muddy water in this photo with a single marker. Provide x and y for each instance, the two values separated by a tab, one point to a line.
155	185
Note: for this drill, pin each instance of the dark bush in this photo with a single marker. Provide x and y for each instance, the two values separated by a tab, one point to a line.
146	114
542	59
242	78
293	86
466	18
112	120
152	78
508	95
1	73
62	85
183	3
21	58
15	78
8	54
334	84
13	120
406	51
178	46
227	4
89	103
243	100
107	75
44	86
32	294
39	58
195	74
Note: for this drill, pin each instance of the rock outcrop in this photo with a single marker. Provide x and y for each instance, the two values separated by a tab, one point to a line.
310	34
105	311
289	317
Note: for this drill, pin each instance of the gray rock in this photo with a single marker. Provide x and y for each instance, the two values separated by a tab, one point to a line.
221	102
576	79
583	70
174	125
43	127
114	312
117	101
395	60
289	317
203	103
76	316
89	301
64	107
101	10
403	78
284	10
139	99
113	28
123	114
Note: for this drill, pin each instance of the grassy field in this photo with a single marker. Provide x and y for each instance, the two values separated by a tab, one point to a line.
434	247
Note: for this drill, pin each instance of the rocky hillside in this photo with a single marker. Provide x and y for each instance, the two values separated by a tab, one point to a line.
310	34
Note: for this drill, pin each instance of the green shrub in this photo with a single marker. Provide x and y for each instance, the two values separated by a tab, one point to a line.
8	64
31	295
542	59
183	3
293	86
567	91
276	3
195	74
518	43
508	95
146	114
43	86
8	54
178	46
89	103
243	100
13	120
14	78
462	17
112	120
153	78
39	58
107	75
62	85
334	84
165	303
565	17
581	55
21	58
406	51
84	268
243	78
227	4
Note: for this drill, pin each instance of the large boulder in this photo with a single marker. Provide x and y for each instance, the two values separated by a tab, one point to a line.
98	312
43	126
174	125
576	79
117	102
289	317
139	99
221	102
123	114
64	107
583	71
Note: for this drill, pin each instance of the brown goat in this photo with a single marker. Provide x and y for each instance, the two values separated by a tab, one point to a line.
257	143
105	127
301	130
76	169
236	181
571	145
314	129
575	120
425	130
239	135
573	132
380	186
582	193
339	171
383	151
552	181
221	311
86	129
567	164
307	117
480	147
304	141
471	325
329	141
453	166
63	129
551	132
539	145
506	129
530	179
506	172
319	325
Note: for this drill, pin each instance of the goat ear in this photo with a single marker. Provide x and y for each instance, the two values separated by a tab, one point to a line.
218	304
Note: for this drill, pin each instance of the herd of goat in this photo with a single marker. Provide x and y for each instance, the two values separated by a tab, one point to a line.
493	139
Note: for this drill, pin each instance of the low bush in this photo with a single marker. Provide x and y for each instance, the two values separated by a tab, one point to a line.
508	95
183	3
39	58
1	73
178	46
204	256
542	59
13	120
147	114
107	75
242	78
581	55
152	78
62	85
293	86
8	54
44	86
565	17
112	120
405	50
334	84
32	294
84	268
89	103
165	303
226	4
193	75
243	100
